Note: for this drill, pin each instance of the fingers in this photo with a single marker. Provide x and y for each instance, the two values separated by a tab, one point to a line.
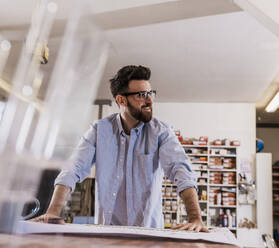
204	229
42	218
187	226
37	219
52	219
177	227
201	229
197	228
191	227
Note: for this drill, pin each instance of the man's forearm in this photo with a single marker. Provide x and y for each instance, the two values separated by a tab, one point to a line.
58	199
190	199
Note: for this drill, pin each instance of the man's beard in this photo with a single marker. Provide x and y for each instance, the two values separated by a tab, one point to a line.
139	114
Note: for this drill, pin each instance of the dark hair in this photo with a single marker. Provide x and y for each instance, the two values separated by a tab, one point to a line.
120	82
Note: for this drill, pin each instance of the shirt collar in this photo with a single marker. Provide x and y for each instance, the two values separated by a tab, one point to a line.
137	129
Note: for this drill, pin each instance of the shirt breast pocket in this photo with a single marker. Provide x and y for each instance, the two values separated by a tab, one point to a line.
146	167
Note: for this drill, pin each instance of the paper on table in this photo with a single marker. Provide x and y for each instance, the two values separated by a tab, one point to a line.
218	235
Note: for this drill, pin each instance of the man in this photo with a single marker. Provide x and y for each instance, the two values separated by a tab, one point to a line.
131	151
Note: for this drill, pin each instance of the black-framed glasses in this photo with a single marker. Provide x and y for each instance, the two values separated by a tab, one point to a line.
142	94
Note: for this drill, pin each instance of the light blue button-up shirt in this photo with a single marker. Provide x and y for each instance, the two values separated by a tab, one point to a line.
129	174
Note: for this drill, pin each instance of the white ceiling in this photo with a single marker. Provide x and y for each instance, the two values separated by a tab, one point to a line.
198	50
221	58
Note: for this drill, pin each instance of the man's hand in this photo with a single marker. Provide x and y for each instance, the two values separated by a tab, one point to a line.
53	212
190	199
48	218
196	226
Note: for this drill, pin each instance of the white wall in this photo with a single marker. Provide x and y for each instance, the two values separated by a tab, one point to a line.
215	120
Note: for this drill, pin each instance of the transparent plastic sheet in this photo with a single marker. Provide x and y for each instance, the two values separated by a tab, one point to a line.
37	134
5	47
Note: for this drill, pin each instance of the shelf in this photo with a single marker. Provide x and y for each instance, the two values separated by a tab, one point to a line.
222	206
197	155
231	228
169	197
219	165
199	162
202	184
169	184
275	182
246	204
245	183
200	169
223	170
210	146
228	147
202	177
202	201
194	146
275	174
228	156
223	185
169	211
202	215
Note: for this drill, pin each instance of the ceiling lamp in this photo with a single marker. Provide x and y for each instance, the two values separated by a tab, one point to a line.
273	104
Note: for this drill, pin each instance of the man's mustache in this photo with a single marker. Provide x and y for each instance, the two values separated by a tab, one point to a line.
146	105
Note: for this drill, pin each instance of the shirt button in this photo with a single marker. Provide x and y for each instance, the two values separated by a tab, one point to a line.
109	212
122	142
117	177
113	194
121	160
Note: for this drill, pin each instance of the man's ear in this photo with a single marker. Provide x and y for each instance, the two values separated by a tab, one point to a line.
121	100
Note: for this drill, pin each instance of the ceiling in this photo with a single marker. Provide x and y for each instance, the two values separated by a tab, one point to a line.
220	58
198	50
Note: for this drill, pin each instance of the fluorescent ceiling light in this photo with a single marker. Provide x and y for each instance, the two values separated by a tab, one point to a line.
274	104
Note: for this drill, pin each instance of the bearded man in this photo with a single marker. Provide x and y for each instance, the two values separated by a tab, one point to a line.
131	151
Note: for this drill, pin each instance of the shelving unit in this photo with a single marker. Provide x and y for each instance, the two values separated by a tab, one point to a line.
275	196
216	168
170	203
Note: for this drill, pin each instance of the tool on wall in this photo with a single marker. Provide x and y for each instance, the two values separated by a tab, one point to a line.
101	103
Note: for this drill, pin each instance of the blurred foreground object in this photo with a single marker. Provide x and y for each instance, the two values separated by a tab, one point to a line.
39	133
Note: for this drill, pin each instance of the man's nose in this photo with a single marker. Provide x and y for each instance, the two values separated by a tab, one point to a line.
149	99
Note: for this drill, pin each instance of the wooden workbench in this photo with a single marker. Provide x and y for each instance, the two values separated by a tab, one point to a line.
83	241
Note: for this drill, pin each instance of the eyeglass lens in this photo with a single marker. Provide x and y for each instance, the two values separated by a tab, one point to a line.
145	94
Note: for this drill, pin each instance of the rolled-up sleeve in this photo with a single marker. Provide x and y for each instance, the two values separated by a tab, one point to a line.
175	162
80	163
